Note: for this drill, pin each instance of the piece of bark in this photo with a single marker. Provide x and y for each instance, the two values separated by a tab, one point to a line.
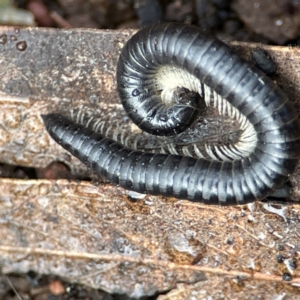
48	70
56	70
278	21
99	237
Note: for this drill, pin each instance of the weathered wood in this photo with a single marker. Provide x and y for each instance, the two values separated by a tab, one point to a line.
99	237
48	70
59	70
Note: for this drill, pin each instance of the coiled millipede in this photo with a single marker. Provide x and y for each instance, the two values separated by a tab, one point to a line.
156	61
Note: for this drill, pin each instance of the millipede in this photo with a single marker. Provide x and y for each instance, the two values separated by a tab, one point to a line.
153	64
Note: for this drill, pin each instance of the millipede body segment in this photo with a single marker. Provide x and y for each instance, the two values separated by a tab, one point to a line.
153	63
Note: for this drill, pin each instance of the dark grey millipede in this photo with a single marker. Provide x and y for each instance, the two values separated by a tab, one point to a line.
161	58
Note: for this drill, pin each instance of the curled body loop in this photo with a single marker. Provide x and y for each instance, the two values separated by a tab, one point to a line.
167	56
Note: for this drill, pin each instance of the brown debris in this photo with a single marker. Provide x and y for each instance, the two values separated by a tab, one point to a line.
40	12
276	20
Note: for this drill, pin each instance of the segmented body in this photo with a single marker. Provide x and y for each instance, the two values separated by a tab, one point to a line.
161	58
